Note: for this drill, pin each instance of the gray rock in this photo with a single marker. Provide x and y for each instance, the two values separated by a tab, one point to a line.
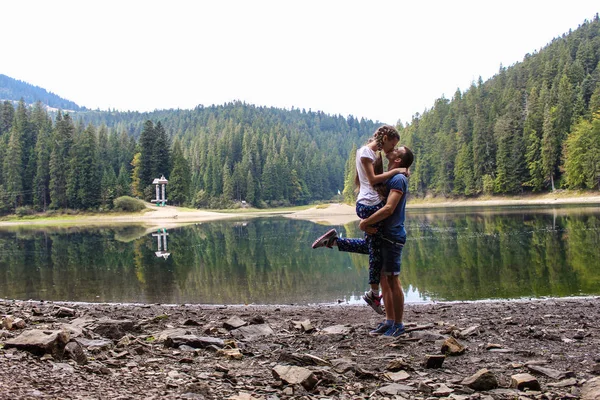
424	387
75	351
252	332
591	390
101	344
442	391
552	373
565	383
194	341
113	329
434	360
40	342
64	312
234	322
470	331
397	365
342	365
187	349
303	326
427	336
302	359
337	330
97	368
19	323
524	381
7	322
62	367
452	347
293	375
81	322
482	380
6	334
163	335
74	330
397	376
396	389
505	393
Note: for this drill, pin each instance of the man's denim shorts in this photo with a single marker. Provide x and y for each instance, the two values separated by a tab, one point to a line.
391	257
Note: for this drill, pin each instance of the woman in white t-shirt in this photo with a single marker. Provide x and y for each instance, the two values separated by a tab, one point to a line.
369	201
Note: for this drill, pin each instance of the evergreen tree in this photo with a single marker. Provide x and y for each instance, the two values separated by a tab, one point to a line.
147	165
161	152
564	109
484	150
28	138
108	188
7	115
269	181
550	145
464	181
41	195
123	184
60	159
250	188
502	131
13	170
58	181
179	182
533	141
105	158
88	191
295	188
227	183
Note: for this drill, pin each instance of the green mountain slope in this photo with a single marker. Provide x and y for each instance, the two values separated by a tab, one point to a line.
532	127
15	90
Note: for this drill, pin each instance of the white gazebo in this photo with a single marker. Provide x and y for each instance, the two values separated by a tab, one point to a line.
161	197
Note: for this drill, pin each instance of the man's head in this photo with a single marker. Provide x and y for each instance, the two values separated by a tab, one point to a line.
401	157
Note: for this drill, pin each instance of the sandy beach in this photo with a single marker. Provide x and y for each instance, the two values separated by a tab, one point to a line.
327	214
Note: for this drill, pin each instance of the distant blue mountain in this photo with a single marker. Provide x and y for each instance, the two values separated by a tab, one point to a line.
15	90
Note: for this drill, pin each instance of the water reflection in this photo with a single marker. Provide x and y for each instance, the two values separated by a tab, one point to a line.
448	256
161	236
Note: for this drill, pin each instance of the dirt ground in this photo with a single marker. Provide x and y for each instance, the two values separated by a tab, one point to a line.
549	349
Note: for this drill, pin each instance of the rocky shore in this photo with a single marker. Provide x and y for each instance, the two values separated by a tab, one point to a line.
536	349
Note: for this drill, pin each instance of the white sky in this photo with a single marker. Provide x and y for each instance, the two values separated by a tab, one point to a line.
383	60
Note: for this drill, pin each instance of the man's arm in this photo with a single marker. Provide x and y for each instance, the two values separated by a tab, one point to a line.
370	172
384	212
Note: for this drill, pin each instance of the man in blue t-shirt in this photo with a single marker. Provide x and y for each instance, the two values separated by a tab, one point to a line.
393	239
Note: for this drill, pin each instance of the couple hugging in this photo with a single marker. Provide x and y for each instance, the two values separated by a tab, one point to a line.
380	205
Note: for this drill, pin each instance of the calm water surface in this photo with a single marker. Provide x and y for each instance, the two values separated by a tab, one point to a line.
456	255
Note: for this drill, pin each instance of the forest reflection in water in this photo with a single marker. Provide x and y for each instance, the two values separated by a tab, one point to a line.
457	255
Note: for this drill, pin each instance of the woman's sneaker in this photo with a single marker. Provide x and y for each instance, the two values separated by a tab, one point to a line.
326	240
380	330
374	301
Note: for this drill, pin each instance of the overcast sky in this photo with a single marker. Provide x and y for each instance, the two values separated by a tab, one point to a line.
383	60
